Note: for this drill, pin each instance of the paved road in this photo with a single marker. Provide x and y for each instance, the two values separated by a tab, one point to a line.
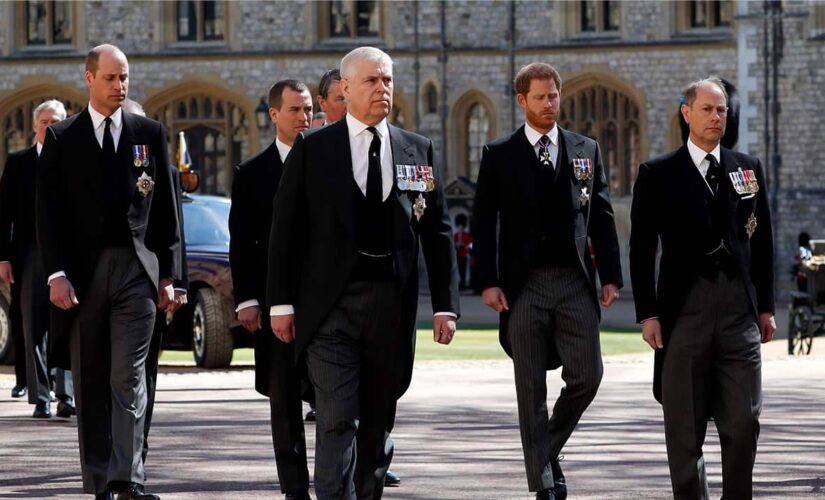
456	437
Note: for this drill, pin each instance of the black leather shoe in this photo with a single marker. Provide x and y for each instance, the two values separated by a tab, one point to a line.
310	417
392	479
19	391
559	483
106	495
135	492
546	495
42	410
304	495
66	409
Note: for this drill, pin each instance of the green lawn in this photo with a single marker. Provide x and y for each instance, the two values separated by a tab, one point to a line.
467	345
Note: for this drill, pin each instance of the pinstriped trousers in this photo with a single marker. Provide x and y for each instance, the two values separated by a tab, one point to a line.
555	310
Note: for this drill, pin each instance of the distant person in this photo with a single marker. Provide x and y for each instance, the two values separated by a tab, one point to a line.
803	255
319	119
463	242
330	96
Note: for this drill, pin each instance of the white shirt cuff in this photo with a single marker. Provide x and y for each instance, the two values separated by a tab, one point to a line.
650	318
4	261
281	310
453	315
247	303
183	290
58	274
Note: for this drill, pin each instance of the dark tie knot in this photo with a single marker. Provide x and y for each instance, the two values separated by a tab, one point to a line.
544	141
373	131
108	121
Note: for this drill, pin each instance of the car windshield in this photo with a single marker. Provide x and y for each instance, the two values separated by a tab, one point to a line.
206	224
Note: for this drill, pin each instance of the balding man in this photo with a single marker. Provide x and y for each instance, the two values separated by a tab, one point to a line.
707	205
108	227
20	265
356	199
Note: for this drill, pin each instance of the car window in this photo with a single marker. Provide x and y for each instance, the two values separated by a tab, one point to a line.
206	224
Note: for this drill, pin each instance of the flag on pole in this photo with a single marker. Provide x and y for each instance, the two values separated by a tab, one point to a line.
184	160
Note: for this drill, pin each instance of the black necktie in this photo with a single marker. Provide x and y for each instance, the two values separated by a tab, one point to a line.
544	152
374	187
108	141
714	173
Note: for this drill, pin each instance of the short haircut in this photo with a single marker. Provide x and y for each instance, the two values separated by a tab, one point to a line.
362	54
93	57
131	106
333	75
535	71
277	90
689	94
52	104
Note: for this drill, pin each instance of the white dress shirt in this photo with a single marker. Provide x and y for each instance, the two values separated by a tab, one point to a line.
359	144
698	155
534	135
283	152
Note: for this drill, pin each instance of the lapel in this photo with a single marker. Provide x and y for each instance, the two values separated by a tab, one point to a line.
337	168
128	138
729	164
86	147
573	149
525	167
403	153
690	178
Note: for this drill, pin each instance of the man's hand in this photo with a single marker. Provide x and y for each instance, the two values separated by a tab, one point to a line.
6	273
767	326
179	301
443	328
494	298
250	318
283	327
652	333
166	293
610	294
61	293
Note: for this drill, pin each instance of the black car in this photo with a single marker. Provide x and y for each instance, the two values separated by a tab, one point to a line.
208	324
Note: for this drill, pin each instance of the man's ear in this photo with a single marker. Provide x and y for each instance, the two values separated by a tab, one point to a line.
685	110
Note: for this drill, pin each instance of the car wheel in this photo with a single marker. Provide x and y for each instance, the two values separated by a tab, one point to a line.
211	337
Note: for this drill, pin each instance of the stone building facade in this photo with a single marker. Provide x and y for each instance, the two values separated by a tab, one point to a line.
202	67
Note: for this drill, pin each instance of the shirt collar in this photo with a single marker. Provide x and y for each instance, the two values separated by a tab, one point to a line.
97	118
698	154
39	148
356	127
283	149
534	135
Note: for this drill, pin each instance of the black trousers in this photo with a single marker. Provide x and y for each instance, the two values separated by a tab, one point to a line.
16	327
355	364
110	342
275	360
555	309
712	367
152	360
34	311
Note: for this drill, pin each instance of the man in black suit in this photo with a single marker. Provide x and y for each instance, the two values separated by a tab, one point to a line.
714	302
547	187
355	200
20	257
250	220
108	229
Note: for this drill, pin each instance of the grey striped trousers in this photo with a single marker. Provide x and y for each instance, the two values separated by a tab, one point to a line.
555	309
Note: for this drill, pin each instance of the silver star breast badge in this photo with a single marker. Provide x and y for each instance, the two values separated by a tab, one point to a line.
145	184
419	206
584	197
750	227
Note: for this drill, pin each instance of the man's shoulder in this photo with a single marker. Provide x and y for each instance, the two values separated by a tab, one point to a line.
324	133
741	158
408	136
577	138
506	141
69	123
665	160
142	123
259	159
20	155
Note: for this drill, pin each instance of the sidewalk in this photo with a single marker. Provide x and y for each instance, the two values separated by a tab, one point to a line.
456	437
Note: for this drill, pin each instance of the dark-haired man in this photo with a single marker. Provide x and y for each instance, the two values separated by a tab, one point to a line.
250	219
